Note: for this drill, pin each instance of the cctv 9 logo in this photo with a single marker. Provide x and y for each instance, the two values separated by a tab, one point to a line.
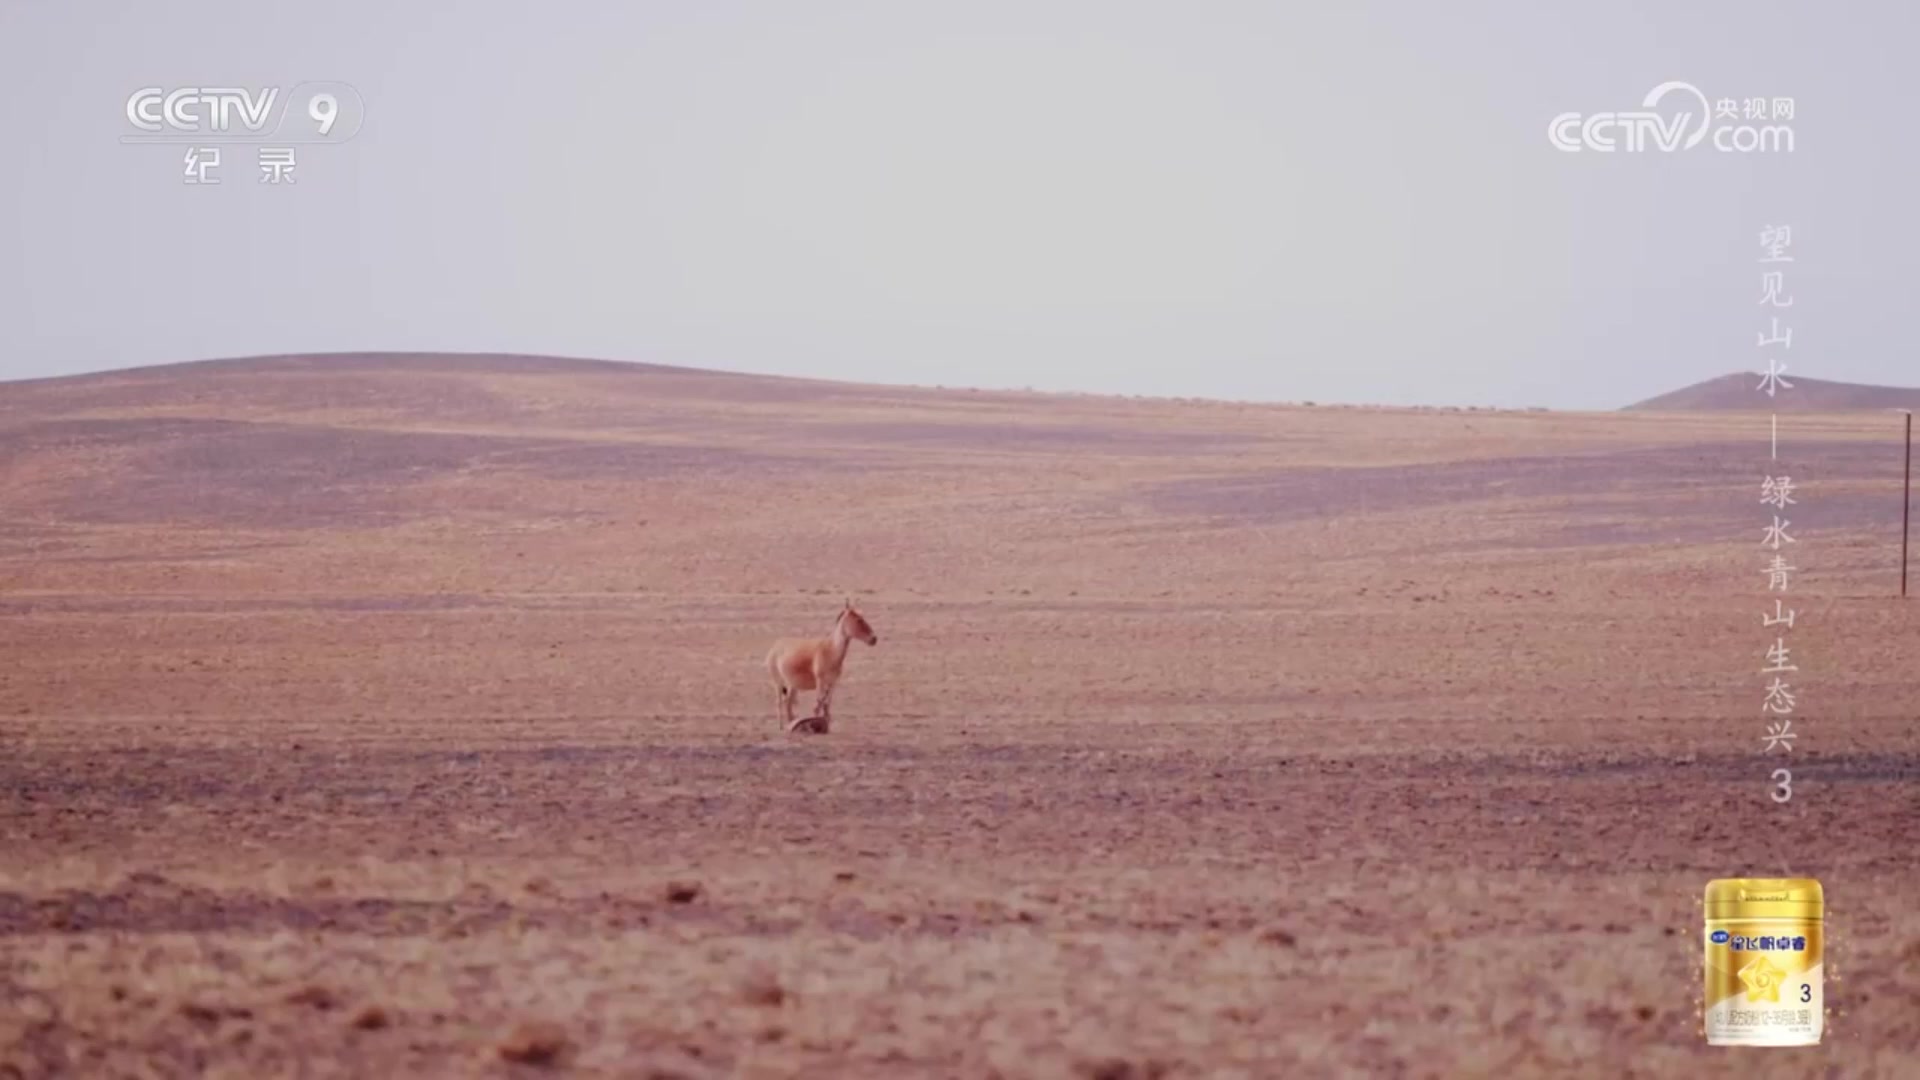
312	112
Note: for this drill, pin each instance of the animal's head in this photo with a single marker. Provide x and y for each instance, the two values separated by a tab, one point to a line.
856	626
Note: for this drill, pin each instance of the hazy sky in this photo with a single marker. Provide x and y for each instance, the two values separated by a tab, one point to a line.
1330	201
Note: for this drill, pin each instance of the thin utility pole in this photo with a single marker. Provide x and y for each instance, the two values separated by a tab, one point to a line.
1906	507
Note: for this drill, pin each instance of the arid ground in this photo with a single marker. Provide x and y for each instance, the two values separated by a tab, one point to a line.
405	716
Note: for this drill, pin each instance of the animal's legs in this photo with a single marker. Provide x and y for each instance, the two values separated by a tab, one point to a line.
788	695
784	705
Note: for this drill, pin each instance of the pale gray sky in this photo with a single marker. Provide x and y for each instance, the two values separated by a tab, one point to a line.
1340	202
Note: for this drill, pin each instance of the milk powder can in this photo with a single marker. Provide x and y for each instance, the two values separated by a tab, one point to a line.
1764	952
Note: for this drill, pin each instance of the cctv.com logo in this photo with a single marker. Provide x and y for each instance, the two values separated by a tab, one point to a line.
1687	120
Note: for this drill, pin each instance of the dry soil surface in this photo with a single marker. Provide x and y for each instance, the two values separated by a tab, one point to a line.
406	716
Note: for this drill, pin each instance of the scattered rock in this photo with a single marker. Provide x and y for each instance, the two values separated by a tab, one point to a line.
372	1018
535	1042
763	988
843	875
1277	936
318	997
682	892
1121	1069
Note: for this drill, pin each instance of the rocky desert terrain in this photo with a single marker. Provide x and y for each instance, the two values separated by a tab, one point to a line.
404	715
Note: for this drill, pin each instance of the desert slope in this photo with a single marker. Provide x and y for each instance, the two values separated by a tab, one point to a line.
435	459
357	711
1740	391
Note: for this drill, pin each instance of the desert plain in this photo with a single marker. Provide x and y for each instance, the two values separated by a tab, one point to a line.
405	715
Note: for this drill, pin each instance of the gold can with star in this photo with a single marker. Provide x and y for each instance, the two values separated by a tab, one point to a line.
1764	954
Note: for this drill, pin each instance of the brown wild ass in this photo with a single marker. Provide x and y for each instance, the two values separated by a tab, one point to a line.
798	664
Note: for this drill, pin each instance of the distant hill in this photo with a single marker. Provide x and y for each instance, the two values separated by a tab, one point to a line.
375	475
354	440
1741	391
